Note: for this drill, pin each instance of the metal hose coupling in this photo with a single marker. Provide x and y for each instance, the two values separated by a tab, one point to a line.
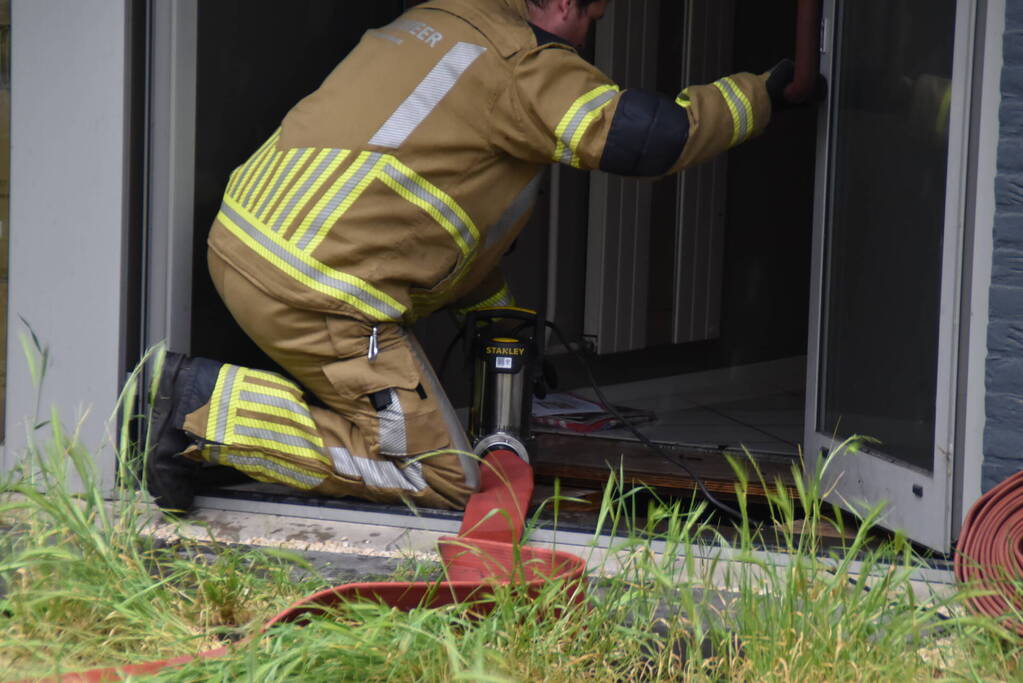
501	441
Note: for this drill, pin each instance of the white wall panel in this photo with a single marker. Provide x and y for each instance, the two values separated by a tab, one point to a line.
67	210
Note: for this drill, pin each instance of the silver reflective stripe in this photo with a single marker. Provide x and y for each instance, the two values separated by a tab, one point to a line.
414	474
275	402
386	310
379	474
342	194
393	440
577	120
427	95
255	461
295	158
519	207
417	190
298	196
386	36
224	409
278	437
742	122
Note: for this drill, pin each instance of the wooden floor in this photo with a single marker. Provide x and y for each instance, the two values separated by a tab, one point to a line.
585	461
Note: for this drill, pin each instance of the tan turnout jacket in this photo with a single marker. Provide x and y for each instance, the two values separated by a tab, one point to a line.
396	187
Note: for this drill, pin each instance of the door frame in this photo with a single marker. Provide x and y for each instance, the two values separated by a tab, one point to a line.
980	219
173	36
919	503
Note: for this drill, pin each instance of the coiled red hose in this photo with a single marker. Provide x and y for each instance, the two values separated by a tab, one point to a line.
989	555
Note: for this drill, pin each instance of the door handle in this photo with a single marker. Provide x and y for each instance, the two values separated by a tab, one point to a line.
808	35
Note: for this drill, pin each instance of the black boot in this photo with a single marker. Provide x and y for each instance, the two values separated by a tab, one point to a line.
170	477
185	385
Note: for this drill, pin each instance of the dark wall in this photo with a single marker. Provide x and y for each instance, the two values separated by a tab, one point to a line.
768	232
765	298
256	59
1003	434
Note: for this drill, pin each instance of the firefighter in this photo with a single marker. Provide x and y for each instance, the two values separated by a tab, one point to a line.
390	192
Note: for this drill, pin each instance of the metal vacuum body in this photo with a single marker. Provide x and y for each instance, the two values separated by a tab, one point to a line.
504	347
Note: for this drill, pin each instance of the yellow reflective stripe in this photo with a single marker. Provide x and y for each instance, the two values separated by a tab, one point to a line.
306	187
260	176
269	402
577	120
229	405
286	386
336	201
415	189
501	298
267	188
241	174
282	176
584	126
306	270
226	429
216	422
293	161
683	99
257	162
740	108
747	107
271	436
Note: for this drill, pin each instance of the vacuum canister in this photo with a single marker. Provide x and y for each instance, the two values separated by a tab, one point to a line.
504	346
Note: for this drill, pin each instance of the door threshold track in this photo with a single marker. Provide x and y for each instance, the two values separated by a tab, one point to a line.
401	534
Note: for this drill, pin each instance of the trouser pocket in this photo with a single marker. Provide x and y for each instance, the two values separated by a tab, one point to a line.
385	398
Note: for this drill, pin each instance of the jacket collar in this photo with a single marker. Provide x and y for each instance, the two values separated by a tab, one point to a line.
519	7
496	19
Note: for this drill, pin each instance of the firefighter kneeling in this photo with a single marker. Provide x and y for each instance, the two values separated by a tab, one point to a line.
389	193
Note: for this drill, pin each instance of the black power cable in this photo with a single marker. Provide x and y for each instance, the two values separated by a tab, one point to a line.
638	434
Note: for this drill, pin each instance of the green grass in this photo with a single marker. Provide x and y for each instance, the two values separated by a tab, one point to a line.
85	586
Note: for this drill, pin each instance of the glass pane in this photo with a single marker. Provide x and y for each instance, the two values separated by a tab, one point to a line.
884	244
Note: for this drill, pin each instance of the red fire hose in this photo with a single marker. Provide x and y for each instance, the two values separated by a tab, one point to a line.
484	554
989	555
804	82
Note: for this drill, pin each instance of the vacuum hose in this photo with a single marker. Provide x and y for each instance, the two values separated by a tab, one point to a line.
989	555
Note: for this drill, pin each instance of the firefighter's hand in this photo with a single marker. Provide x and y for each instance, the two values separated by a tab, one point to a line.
779	79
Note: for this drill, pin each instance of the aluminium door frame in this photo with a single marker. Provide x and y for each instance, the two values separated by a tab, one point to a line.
173	35
978	257
918	502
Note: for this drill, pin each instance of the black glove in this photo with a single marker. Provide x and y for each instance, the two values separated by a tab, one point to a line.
780	78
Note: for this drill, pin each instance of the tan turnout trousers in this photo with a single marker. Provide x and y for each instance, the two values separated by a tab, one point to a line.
258	422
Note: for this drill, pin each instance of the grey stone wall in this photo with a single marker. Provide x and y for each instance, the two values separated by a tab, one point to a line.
1003	437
